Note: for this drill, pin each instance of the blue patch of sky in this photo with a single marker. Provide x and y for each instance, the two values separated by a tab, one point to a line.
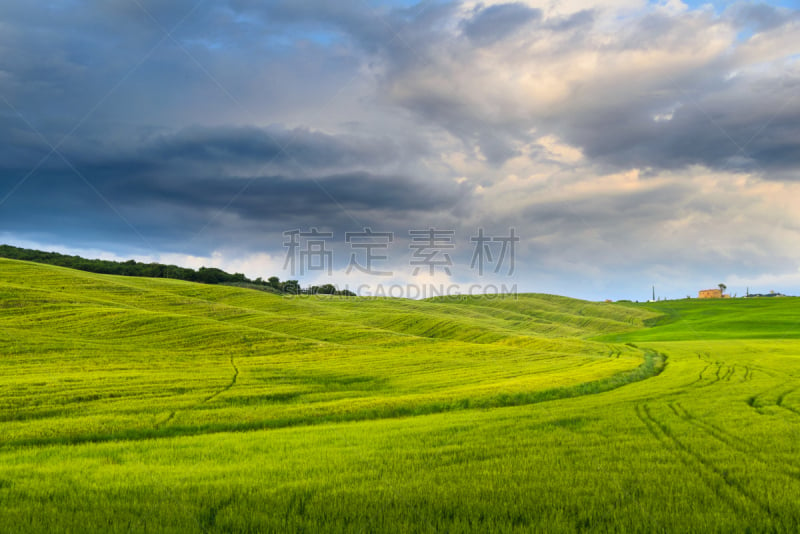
744	34
720	5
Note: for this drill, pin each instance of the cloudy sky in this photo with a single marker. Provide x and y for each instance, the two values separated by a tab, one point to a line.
628	143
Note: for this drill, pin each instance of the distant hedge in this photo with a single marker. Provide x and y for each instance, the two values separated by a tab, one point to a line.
203	275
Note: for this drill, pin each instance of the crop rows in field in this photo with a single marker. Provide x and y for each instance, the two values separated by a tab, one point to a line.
108	358
540	414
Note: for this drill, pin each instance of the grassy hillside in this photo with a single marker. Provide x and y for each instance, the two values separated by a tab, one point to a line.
752	318
92	357
136	405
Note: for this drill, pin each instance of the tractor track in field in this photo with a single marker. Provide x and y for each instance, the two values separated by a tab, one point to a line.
710	382
731	440
209	398
779	401
692	460
748	374
754	403
731	371
724	373
717	377
700	376
653	365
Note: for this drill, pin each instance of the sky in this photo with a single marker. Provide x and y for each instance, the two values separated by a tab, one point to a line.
584	148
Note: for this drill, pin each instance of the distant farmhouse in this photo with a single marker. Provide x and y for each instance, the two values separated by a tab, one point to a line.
712	294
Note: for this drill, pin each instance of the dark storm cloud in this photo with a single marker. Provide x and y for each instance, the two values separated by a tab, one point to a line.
57	66
157	124
167	212
737	131
224	150
175	184
276	198
250	146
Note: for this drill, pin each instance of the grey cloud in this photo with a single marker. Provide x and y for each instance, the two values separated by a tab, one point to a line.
581	19
745	122
497	147
760	17
621	232
730	130
299	147
277	197
371	27
610	122
606	212
175	184
168	210
225	150
498	21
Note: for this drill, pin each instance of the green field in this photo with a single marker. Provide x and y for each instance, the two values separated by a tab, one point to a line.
133	404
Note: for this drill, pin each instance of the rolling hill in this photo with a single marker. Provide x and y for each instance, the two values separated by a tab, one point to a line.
134	404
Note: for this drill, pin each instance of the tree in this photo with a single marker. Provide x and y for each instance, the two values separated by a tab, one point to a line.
722	288
325	289
291	286
206	275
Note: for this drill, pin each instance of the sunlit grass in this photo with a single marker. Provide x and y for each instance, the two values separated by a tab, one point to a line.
100	357
135	404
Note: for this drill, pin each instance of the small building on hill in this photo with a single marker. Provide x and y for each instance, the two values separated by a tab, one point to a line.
712	294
